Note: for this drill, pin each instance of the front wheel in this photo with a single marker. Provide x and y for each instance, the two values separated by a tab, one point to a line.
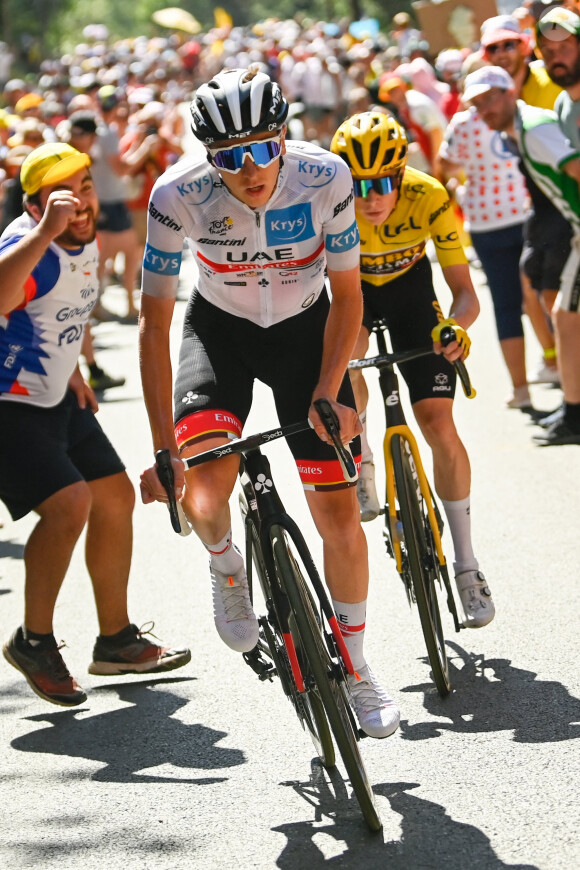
420	560
308	705
320	671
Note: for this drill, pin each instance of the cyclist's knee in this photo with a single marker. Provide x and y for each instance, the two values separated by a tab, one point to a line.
336	514
438	427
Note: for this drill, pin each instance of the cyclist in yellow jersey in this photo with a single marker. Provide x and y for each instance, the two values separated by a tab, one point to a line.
398	209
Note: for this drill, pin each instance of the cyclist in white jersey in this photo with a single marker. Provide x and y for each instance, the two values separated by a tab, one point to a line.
264	219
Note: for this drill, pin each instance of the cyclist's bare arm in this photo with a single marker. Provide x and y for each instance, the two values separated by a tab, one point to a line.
157	381
464	307
341	332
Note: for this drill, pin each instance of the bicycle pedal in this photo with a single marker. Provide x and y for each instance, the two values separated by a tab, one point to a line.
264	669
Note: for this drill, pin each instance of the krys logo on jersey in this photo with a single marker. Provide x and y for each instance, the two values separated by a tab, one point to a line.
315	174
292	224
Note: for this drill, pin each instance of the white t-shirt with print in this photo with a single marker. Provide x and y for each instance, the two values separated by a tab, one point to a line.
495	189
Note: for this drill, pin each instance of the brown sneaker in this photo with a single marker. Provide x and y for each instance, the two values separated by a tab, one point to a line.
45	670
132	653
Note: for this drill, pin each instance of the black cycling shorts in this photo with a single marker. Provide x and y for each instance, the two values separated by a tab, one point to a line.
409	306
221	355
42	450
547	241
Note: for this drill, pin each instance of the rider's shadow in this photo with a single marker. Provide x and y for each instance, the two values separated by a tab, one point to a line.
429	838
140	737
492	695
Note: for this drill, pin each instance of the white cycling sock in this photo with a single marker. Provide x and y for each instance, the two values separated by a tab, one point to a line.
224	555
459	519
366	452
351	621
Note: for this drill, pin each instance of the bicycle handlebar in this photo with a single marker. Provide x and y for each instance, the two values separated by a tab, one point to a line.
252	442
389	359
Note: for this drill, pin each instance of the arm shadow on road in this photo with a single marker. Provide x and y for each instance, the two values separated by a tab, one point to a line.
337	835
130	742
493	695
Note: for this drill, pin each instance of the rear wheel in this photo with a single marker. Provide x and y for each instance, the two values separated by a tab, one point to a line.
319	670
420	560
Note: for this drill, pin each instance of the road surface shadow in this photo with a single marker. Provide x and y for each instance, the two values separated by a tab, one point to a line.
11	550
136	738
493	695
429	838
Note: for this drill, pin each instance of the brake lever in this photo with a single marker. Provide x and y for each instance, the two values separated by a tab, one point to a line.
447	336
165	475
332	426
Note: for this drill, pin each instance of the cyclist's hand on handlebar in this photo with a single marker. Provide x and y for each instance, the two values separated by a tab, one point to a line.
349	423
454	350
153	490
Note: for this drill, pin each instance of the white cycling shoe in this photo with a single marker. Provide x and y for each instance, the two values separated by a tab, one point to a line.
366	492
475	598
377	713
233	614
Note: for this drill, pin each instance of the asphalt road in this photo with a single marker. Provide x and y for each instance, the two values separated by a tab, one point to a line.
206	768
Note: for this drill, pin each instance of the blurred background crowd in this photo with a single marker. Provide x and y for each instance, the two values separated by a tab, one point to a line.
125	102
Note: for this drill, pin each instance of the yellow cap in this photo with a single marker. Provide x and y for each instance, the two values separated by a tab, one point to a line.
28	101
50	163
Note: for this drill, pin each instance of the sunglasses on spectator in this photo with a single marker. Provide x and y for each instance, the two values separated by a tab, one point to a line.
508	45
386	184
232	159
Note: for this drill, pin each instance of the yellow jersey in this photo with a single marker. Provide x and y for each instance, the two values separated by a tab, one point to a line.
539	89
423	211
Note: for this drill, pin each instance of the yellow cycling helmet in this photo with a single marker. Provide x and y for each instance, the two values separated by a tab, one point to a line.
372	144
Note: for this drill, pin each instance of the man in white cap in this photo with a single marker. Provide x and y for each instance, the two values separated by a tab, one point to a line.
554	165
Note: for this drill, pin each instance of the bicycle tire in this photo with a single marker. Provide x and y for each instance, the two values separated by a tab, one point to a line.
308	705
422	563
324	673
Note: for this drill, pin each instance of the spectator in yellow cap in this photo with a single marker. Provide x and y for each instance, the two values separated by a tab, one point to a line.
69	474
28	106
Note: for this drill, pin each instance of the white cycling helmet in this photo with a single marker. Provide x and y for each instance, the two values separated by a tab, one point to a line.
237	103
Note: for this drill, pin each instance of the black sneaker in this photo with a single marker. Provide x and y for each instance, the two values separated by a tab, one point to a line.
558	433
103	381
132	653
547	420
44	669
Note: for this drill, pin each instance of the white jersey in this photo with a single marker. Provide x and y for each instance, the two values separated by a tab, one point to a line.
265	264
41	340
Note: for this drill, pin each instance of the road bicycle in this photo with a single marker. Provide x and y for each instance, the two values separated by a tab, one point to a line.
413	523
299	637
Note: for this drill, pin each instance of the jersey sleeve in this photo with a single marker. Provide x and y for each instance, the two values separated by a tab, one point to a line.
547	144
443	228
450	149
164	246
341	236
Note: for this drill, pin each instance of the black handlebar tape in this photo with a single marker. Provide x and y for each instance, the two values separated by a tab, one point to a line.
331	424
447	336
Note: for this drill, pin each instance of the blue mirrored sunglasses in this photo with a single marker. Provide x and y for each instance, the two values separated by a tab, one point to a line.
232	159
386	184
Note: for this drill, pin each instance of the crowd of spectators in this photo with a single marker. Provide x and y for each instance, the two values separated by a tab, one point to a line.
120	101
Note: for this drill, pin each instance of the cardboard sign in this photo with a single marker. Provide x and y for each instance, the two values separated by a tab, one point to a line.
453	23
